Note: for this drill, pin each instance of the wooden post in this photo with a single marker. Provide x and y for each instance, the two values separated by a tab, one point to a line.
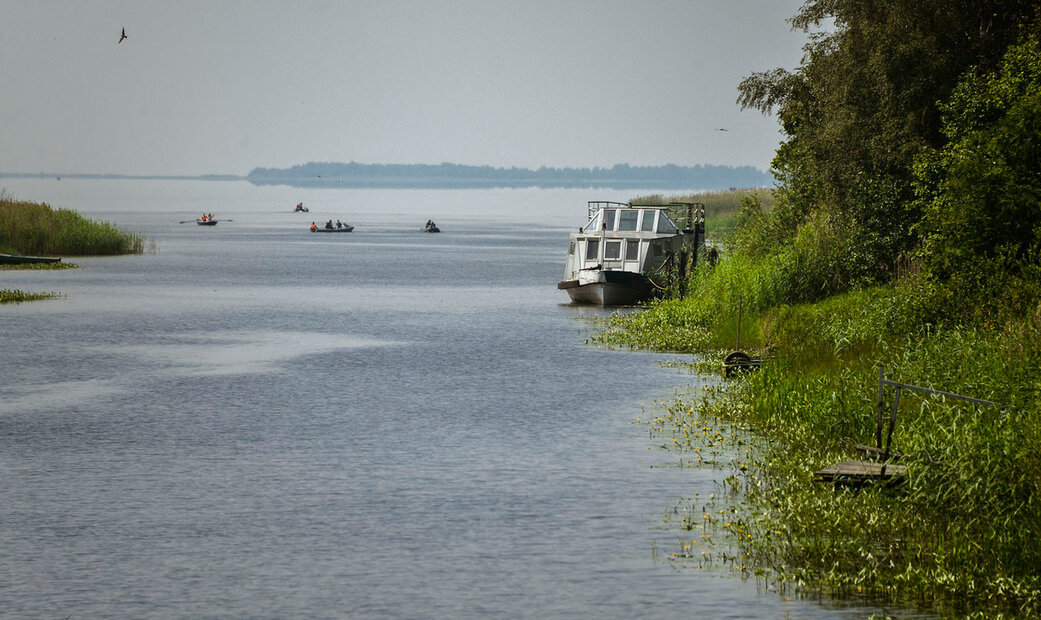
879	406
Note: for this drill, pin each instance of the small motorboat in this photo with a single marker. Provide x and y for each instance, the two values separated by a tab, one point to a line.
431	227
300	208
206	222
19	259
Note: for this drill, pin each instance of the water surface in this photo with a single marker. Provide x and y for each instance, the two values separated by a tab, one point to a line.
260	422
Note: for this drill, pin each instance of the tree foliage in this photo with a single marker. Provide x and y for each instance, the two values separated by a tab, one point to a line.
981	192
864	102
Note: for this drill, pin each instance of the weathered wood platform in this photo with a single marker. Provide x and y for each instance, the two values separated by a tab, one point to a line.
858	473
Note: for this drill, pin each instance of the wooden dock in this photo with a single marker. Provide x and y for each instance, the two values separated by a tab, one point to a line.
881	469
860	473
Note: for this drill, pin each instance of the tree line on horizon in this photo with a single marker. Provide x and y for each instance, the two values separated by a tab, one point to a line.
449	175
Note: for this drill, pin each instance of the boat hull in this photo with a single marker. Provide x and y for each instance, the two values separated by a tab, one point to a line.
18	259
206	223
345	229
609	288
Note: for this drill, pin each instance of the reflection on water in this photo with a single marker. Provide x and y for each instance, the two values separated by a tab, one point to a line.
257	422
230	353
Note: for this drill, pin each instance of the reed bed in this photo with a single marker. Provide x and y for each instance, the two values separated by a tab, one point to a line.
37	229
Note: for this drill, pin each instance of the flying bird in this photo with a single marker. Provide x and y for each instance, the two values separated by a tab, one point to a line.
721	130
122	36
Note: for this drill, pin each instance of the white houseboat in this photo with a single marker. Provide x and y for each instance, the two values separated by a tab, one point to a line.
621	256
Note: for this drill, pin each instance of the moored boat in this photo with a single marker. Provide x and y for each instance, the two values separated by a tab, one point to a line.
625	251
19	259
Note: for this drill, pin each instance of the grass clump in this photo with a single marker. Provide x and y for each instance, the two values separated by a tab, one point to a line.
37	229
12	296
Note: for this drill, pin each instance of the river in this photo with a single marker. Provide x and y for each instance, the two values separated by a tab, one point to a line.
256	421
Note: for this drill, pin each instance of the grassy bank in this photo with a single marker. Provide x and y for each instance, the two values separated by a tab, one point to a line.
37	229
964	532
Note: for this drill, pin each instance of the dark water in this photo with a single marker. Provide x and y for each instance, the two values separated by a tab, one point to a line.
259	422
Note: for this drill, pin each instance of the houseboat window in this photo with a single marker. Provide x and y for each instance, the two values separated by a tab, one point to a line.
665	225
647	225
627	219
571	248
632	250
592	249
612	250
594	224
609	215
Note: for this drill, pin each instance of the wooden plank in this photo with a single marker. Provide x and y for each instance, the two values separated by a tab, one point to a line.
859	472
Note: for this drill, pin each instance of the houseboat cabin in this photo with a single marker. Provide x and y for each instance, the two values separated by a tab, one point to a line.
622	253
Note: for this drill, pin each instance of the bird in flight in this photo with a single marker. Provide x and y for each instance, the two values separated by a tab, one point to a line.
122	36
721	130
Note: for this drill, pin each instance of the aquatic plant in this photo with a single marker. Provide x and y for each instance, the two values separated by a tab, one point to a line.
964	531
14	296
37	229
59	266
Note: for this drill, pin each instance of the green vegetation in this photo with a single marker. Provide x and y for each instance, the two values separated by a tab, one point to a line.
39	266
11	296
37	229
721	207
906	233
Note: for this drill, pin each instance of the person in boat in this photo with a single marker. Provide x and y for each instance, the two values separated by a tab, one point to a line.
339	225
313	227
329	225
203	218
299	206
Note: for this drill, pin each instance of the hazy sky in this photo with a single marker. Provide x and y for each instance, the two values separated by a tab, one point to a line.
222	87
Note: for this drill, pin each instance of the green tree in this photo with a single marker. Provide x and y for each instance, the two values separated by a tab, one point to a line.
981	192
863	102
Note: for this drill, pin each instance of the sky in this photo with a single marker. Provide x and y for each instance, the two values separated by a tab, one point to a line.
222	86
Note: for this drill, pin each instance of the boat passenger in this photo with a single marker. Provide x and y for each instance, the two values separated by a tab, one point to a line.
313	227
339	224
203	218
329	225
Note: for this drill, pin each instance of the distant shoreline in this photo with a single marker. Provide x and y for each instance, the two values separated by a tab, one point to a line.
137	177
455	176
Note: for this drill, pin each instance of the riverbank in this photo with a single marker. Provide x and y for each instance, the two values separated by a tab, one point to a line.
30	228
963	533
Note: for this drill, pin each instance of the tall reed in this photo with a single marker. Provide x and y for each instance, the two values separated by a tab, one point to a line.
36	228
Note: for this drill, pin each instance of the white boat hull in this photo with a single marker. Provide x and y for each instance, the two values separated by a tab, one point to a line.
609	288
